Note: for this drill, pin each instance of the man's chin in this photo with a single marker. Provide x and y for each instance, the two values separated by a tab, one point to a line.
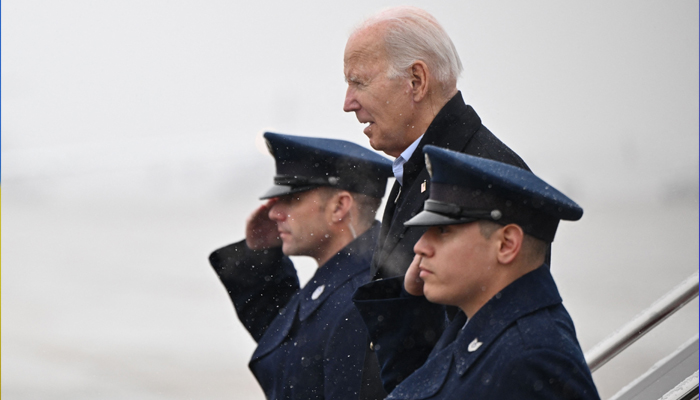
432	294
288	250
375	143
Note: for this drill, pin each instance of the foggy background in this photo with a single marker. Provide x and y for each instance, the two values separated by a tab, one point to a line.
129	154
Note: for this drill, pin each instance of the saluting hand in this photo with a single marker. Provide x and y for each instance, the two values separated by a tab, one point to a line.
412	281
260	231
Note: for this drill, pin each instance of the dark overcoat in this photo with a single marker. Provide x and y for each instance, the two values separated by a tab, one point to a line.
520	345
311	341
456	127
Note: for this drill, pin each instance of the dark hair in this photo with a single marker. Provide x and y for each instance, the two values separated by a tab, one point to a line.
532	248
367	206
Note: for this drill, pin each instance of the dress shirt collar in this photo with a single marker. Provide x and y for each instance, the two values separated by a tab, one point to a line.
401	160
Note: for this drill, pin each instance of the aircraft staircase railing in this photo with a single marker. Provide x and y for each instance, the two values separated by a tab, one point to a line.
673	378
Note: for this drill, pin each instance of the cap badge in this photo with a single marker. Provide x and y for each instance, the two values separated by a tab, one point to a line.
317	293
496	215
474	345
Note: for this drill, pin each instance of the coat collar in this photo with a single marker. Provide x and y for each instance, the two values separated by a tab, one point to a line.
453	127
463	347
278	329
354	259
429	382
529	293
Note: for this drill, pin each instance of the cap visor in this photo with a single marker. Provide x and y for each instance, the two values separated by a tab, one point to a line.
429	218
282	190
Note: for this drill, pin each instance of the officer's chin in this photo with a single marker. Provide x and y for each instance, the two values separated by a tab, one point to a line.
287	248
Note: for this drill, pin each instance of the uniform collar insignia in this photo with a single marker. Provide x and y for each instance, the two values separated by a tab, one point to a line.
474	345
317	293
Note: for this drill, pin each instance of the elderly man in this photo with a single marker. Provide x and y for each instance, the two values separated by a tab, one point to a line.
489	226
311	341
402	70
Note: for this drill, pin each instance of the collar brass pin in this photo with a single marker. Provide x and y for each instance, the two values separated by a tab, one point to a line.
423	186
474	345
317	293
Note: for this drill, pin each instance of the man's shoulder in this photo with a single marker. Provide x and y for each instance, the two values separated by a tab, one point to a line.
458	127
546	336
536	348
486	145
549	329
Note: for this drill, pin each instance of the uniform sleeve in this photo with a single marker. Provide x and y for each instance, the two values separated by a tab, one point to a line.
403	328
545	374
258	283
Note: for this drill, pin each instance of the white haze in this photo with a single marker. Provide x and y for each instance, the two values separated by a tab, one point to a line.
129	153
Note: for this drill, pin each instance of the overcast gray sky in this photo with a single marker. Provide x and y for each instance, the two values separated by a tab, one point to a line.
599	97
129	153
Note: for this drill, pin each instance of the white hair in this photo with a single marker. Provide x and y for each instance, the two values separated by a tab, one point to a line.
412	34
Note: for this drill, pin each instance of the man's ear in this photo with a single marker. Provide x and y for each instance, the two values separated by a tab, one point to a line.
418	74
511	241
340	205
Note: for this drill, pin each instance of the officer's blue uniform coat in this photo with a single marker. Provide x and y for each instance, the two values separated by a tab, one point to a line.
311	341
520	345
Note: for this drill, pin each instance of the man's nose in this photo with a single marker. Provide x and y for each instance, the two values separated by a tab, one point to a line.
276	213
422	247
351	103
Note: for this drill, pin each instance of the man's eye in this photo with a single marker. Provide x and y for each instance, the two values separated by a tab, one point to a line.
286	199
443	229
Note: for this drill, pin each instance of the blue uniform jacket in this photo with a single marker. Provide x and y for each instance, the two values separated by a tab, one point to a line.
520	345
311	341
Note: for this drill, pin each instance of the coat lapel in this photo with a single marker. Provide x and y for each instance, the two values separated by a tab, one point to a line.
389	212
427	383
529	293
349	262
320	288
462	346
278	329
411	204
447	131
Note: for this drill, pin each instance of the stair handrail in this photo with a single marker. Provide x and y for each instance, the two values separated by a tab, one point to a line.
643	323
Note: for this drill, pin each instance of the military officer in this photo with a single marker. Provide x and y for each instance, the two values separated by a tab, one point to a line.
489	225
311	340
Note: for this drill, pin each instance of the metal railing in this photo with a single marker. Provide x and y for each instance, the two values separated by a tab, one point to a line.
643	323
